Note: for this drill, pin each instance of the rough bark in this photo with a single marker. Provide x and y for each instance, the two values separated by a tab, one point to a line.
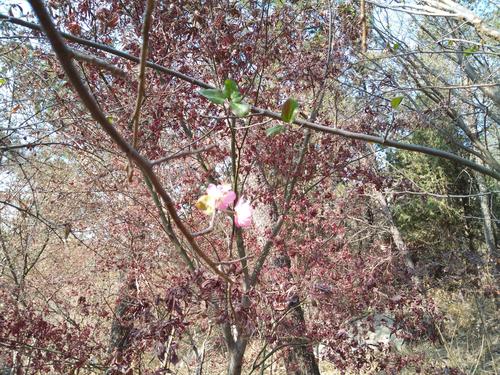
397	238
236	353
122	326
300	359
488	227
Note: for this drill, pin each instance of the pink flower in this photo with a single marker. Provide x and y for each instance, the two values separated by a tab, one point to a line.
243	213
217	197
222	194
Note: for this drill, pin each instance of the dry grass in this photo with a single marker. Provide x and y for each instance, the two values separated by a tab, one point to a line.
470	335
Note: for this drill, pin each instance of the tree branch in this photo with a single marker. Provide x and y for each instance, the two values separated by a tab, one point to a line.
444	8
264	112
99	62
64	55
141	82
182	154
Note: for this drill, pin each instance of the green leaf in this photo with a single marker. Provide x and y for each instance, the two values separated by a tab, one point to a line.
214	95
395	47
270	132
289	110
110	119
236	97
471	50
230	87
395	102
240	109
3	81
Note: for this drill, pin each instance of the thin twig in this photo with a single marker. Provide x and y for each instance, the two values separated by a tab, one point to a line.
451	87
64	57
141	82
182	154
435	195
277	116
208	229
235	260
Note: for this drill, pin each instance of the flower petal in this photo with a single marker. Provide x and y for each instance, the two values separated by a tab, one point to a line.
225	188
243	214
206	204
213	190
226	200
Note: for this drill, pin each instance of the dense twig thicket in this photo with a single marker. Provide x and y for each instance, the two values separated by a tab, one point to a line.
247	187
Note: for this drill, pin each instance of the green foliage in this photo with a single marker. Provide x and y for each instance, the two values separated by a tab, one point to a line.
414	213
240	109
289	110
395	102
470	51
230	87
214	95
270	132
230	93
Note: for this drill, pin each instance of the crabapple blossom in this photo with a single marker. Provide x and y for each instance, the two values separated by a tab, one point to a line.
222	194
243	213
218	197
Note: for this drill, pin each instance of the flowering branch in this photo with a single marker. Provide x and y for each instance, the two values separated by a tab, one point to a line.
64	56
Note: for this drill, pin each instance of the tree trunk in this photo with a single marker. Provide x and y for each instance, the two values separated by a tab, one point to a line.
300	359
488	228
236	352
397	238
122	327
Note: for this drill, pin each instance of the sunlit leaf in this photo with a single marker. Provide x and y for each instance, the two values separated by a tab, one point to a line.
15	108
289	110
230	87
214	95
236	97
471	50
240	109
270	132
3	81
395	102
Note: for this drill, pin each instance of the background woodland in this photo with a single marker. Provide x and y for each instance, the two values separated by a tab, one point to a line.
363	134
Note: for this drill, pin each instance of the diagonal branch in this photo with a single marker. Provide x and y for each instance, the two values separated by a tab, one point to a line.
99	62
444	8
141	81
167	227
274	115
64	55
